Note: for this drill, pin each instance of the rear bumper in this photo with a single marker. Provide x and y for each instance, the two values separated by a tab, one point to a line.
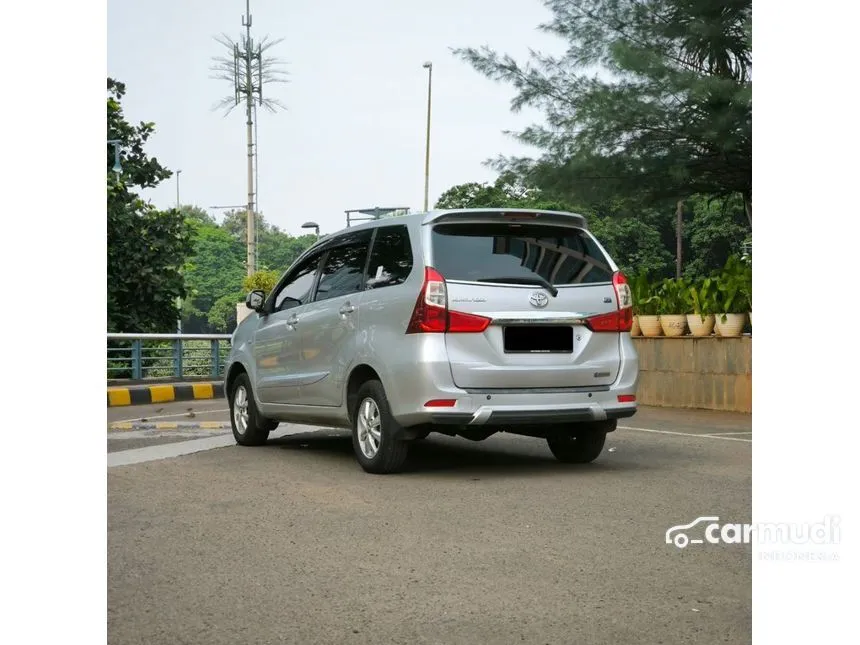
487	416
413	383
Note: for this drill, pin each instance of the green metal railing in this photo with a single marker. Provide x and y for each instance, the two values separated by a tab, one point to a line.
161	356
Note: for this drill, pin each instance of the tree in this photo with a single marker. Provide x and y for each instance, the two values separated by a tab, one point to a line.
634	244
631	236
261	280
216	270
717	230
652	100
222	315
146	247
276	249
507	191
216	267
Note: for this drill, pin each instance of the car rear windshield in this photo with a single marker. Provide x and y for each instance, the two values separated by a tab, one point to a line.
491	252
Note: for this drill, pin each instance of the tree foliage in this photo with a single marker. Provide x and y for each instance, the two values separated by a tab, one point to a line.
222	315
216	267
506	192
716	231
275	249
652	99
146	247
264	280
641	239
216	272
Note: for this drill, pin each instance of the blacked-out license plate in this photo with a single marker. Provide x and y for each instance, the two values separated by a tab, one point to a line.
539	339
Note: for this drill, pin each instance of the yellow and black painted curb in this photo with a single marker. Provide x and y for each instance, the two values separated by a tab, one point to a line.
166	425
146	394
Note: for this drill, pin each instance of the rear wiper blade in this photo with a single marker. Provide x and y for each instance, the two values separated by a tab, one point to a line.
537	280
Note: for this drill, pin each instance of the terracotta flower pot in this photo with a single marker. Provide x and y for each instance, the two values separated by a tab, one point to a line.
650	326
673	324
699	327
634	330
733	325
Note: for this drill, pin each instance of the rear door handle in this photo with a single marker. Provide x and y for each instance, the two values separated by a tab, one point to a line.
293	320
347	309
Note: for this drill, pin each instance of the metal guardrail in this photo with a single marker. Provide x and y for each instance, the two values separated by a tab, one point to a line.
145	356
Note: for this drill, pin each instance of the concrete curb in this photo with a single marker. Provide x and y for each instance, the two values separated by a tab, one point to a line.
164	393
178	425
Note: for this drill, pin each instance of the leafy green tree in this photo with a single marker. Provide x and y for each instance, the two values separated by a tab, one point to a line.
222	315
276	249
195	213
716	231
215	272
634	244
215	269
652	99
507	191
146	247
264	280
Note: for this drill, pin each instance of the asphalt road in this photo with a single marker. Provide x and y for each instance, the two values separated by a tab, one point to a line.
490	542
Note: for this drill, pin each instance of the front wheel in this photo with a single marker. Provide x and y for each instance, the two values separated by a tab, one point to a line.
582	448
249	428
373	430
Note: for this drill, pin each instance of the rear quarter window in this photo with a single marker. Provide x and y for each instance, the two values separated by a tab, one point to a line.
390	258
560	254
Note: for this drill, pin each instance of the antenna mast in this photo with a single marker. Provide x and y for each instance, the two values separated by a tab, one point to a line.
247	68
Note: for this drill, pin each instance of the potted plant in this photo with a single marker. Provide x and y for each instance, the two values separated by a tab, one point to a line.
674	306
645	307
639	291
732	304
703	298
746	286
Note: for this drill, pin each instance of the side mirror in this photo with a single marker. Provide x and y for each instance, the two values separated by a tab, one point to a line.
255	300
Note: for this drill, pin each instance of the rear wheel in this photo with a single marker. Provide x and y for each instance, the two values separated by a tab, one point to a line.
373	430
249	428
580	445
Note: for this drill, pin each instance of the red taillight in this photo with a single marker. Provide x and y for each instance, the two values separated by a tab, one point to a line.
626	398
620	320
431	314
441	403
462	323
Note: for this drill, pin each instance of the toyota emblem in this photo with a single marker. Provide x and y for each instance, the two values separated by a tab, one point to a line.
539	299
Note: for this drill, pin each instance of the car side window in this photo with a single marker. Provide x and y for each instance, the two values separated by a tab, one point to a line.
297	289
390	259
342	271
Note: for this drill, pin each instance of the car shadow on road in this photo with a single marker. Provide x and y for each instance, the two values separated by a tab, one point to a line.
458	456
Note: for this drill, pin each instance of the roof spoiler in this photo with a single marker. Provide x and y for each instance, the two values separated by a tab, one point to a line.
519	215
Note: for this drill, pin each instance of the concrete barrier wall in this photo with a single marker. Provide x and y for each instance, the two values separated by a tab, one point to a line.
710	373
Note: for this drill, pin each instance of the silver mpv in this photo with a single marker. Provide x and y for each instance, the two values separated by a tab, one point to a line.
463	322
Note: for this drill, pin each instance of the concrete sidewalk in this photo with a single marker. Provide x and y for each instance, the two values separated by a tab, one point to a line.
164	393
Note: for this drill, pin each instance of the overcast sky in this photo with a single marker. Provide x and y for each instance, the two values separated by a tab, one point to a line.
353	132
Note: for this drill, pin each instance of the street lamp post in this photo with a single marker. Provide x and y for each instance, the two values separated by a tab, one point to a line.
429	67
178	298
314	226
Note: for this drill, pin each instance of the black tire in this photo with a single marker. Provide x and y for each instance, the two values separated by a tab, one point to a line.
256	428
372	411
583	447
